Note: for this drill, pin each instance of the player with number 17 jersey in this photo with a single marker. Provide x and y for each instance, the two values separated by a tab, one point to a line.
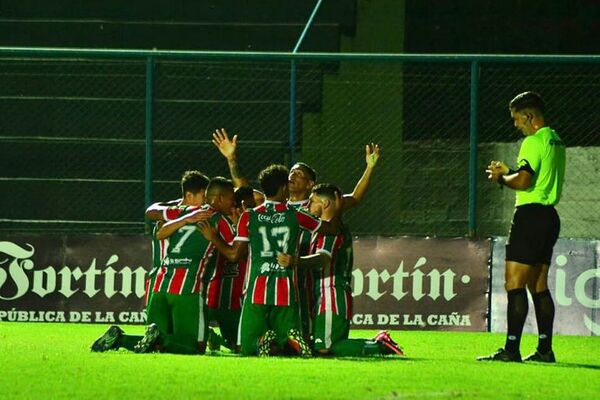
270	229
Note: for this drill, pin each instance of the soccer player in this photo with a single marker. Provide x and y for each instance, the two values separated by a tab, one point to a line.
270	311
302	178
535	226
332	260
177	307
225	288
193	185
166	211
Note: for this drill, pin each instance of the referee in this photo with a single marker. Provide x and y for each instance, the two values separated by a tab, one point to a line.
534	230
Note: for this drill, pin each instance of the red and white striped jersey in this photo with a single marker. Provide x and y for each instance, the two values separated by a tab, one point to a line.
270	229
333	282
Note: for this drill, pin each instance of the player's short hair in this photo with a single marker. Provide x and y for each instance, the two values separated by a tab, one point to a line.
272	178
193	182
243	193
327	190
525	100
218	185
308	170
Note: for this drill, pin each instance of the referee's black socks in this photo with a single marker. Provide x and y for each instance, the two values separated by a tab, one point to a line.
544	314
516	314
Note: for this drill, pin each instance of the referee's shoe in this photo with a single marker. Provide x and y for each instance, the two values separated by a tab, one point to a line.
541	357
502	355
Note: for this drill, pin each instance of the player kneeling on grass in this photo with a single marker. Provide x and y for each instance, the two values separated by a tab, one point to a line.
270	317
332	261
225	287
193	185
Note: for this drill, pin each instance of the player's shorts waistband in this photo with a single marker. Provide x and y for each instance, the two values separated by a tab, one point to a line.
535	205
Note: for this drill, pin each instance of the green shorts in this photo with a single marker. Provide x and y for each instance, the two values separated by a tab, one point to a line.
330	328
181	321
256	319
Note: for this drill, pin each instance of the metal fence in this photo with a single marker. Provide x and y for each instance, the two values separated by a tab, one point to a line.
88	137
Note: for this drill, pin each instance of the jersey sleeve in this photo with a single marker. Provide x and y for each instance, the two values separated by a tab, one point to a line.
225	230
243	233
174	212
171	213
530	155
307	221
325	244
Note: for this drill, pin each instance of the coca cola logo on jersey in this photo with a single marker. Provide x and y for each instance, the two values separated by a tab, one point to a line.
278	218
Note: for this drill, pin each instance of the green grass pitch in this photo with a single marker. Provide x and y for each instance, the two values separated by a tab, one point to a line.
50	361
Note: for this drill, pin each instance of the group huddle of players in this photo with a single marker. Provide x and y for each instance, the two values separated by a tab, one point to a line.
271	268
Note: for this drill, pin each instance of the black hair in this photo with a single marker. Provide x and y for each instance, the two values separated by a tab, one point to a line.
310	171
272	178
243	193
527	100
216	186
193	182
327	190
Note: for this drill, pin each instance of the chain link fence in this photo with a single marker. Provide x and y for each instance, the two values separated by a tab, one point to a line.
72	136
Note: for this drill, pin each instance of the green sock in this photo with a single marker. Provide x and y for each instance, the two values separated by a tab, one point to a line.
128	341
355	348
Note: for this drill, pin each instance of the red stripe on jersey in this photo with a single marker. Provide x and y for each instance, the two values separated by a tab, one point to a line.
242	227
174	213
160	276
176	283
320	242
237	286
259	293
198	280
281	207
307	222
213	291
146	291
283	292
226	230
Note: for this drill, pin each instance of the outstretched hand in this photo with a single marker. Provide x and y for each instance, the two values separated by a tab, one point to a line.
372	154
226	146
207	230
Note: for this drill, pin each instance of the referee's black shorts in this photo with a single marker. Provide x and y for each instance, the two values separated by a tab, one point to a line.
533	233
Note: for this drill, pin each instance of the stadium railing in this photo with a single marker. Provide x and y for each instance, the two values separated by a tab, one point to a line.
88	137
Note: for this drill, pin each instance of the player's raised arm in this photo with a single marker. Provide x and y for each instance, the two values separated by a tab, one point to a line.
228	148
372	152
